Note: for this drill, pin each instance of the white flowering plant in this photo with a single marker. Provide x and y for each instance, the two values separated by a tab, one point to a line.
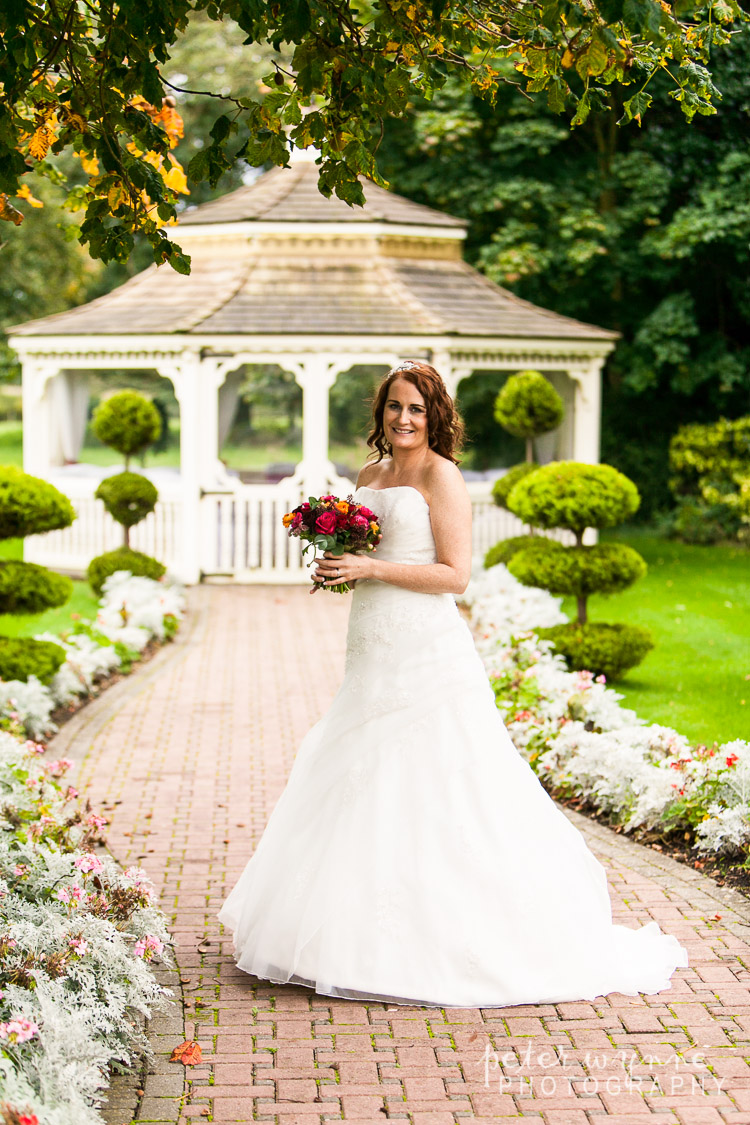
77	935
584	745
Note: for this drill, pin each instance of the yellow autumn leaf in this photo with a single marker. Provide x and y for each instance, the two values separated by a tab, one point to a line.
90	164
9	213
24	192
40	142
568	58
175	178
116	195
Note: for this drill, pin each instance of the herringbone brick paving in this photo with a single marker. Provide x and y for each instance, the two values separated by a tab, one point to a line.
190	754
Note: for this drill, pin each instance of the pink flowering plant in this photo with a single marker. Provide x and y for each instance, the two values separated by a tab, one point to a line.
78	937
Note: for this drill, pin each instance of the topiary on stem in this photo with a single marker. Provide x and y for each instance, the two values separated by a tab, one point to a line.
574	495
529	406
30	506
127	422
503	486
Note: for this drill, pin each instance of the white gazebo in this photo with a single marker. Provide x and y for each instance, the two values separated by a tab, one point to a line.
282	275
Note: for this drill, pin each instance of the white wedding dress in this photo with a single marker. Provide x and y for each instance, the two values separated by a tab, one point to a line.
414	857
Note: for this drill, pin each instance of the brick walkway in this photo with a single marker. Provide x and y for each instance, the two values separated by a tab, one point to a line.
190	754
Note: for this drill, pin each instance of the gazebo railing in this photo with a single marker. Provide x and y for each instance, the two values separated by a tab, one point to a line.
243	538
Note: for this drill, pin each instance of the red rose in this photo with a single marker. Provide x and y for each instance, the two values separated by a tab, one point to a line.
363	511
326	523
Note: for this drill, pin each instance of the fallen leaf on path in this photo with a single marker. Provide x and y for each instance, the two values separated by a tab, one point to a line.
188	1053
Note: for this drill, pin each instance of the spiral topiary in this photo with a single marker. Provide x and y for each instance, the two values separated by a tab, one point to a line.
128	422
30	506
128	497
528	406
574	495
504	485
123	558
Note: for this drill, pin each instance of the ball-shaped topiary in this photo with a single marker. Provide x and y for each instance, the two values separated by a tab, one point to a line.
527	406
21	657
507	549
575	495
605	650
606	568
28	588
30	505
503	486
127	421
128	497
123	558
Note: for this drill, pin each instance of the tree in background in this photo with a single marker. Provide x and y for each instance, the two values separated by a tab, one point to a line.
30	506
129	423
574	496
646	231
91	79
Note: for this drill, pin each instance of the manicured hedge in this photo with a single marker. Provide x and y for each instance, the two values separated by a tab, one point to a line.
123	558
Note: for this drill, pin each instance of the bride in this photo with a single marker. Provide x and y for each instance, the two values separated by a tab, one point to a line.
414	856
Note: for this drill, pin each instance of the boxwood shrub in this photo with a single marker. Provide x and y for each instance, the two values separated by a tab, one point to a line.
28	588
506	549
605	568
128	497
30	505
21	657
575	495
608	650
502	487
123	558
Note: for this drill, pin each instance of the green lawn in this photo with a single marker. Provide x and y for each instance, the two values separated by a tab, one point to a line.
695	601
82	601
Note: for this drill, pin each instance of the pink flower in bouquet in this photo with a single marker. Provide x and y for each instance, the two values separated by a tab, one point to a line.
326	523
360	520
297	520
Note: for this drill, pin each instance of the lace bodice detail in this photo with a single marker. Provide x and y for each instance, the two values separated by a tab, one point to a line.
381	613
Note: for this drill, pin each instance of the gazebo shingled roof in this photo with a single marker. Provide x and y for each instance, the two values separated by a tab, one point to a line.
248	279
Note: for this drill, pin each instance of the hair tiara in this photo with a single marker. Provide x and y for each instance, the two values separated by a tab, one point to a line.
405	365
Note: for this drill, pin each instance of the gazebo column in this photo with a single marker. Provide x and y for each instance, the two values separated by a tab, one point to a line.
587	409
316	375
37	415
186	377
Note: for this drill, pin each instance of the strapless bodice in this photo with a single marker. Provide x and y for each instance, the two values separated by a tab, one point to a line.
404	518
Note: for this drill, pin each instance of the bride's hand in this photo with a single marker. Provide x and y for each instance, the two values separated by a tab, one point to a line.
348	567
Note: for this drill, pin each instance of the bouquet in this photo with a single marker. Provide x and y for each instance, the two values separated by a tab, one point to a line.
333	525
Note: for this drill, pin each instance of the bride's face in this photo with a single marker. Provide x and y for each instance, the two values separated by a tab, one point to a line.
405	416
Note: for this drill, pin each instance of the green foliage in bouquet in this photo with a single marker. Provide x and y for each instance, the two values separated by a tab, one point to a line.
504	485
505	550
710	467
127	422
123	558
30	506
529	406
574	496
608	650
128	497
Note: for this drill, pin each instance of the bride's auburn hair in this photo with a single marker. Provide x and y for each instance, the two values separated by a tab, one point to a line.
445	428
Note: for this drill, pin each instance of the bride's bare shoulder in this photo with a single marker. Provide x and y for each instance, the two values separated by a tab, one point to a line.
444	477
369	472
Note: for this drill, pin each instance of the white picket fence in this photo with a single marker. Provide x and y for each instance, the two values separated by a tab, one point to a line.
241	536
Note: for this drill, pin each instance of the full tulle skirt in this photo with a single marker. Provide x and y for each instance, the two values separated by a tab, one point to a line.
415	857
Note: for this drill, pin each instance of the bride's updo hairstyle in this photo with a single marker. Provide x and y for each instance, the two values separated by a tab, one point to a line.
445	429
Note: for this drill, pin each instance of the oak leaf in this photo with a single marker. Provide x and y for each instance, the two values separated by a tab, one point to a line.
189	1053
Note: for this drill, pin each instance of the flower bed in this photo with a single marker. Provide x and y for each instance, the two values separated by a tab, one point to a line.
132	612
584	746
77	932
76	935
